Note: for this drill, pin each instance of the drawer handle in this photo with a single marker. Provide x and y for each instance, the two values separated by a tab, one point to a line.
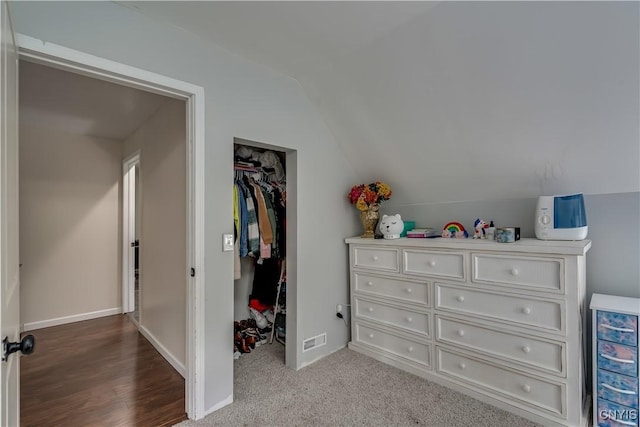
615	359
526	388
460	333
613	328
617	390
369	283
526	349
462	366
460	298
526	310
370	309
370	336
431	263
514	272
410	349
409	319
409	290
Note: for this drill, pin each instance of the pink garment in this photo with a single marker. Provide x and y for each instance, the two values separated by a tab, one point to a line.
265	249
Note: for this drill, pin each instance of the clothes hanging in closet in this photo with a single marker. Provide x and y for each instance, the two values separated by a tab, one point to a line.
260	224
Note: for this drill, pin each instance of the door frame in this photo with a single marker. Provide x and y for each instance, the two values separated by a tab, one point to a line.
129	230
60	57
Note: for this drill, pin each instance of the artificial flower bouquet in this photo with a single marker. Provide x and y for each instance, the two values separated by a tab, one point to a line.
364	196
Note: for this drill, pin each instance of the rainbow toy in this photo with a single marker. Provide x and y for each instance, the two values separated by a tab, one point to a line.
454	230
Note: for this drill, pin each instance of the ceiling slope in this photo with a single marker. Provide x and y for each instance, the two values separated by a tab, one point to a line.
453	101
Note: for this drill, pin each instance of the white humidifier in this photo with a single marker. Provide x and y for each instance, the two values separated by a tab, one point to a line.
561	218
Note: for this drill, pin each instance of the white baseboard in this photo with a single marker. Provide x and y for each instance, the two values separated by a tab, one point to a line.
221	404
163	351
322	356
70	319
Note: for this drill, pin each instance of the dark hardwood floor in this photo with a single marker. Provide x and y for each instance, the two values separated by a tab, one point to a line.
99	372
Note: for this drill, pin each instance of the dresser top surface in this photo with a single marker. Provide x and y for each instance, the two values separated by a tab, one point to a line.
523	245
615	303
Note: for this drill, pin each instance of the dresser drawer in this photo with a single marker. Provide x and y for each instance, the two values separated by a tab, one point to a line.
400	346
376	258
618	388
546	355
416	292
618	327
618	358
519	272
415	322
535	392
433	263
531	312
613	415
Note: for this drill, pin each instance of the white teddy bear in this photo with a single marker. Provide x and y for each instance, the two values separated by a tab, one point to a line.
391	226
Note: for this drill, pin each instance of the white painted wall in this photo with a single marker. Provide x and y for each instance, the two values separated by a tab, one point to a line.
474	109
163	271
246	101
493	100
69	226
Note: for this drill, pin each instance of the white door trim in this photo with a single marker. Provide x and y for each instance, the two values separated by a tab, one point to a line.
129	231
72	60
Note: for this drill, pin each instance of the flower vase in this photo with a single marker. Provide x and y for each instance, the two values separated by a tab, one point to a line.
369	220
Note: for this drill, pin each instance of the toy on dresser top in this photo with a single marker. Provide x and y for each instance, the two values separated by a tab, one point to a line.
391	226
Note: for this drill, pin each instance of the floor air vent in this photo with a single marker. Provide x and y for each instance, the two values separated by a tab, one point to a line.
311	343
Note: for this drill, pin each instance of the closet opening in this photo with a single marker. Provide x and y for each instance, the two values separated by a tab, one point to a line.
263	303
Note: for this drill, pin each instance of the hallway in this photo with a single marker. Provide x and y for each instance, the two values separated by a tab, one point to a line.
98	372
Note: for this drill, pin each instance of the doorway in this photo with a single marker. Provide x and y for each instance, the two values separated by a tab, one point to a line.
131	236
67	59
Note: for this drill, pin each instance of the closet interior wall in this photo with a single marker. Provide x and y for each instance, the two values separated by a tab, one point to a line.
271	173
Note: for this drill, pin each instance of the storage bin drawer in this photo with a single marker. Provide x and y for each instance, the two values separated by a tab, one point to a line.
618	327
618	358
547	355
400	346
535	392
613	415
416	292
412	321
519	272
545	314
433	263
376	258
618	388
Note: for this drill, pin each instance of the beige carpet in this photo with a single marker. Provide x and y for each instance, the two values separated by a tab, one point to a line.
344	389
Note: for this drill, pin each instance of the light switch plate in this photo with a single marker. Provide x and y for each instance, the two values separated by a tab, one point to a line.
227	242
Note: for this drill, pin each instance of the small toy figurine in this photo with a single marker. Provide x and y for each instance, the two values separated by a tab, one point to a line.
454	230
391	226
480	225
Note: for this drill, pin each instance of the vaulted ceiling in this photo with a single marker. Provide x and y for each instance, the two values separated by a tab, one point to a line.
499	95
441	98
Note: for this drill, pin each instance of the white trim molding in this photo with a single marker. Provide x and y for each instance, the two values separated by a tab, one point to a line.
177	365
61	57
129	231
71	319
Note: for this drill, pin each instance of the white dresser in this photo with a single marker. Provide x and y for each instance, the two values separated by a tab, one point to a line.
615	360
502	322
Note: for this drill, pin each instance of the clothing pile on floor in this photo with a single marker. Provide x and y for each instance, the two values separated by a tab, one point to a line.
247	336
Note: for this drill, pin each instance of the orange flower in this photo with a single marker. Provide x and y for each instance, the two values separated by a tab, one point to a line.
363	196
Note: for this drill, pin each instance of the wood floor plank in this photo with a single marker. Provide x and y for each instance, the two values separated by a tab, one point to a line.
99	372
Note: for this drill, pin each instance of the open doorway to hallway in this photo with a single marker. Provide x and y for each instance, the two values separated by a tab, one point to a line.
70	228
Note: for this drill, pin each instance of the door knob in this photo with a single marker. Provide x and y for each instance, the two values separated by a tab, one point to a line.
26	346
